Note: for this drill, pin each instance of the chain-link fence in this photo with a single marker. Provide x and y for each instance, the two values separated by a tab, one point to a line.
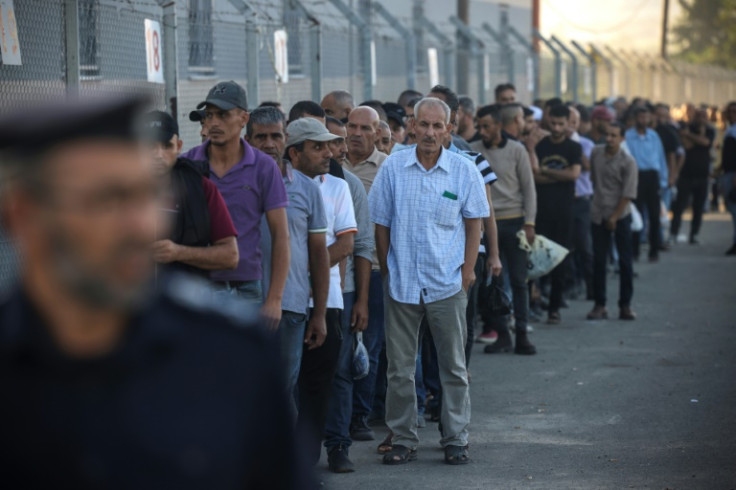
353	45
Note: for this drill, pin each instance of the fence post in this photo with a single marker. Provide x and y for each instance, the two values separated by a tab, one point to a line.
71	36
251	49
593	69
315	46
623	63
558	62
505	50
574	62
508	52
477	48
447	48
366	38
411	51
534	57
609	65
170	57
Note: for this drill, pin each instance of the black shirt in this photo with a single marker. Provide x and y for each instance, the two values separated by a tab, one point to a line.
670	139
190	399
697	158
556	199
728	153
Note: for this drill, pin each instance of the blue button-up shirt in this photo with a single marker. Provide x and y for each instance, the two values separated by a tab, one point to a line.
648	152
424	210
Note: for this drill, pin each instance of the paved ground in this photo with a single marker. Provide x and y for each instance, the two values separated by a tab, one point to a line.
609	404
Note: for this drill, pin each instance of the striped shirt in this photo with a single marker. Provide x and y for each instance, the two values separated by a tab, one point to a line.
489	176
424	210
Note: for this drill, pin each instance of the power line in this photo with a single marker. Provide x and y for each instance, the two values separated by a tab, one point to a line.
635	13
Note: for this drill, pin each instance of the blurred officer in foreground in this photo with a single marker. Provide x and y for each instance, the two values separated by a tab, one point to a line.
105	382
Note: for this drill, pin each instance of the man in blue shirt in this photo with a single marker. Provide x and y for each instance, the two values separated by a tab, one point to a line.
427	205
646	147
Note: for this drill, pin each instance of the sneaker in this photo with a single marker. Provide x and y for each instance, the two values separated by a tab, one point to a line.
338	460
625	313
553	318
360	431
504	344
694	240
487	338
732	250
421	421
523	346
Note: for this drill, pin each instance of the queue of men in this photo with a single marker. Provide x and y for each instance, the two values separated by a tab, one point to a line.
382	223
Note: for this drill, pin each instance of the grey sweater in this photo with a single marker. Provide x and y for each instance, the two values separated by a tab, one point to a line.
513	194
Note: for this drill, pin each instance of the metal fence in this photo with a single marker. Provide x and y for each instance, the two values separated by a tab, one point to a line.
88	46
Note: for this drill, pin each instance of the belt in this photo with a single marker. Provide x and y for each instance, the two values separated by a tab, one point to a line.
230	284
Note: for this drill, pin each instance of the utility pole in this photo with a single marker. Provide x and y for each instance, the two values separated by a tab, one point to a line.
665	19
463	52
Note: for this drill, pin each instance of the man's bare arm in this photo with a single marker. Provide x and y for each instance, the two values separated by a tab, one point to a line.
221	255
319	273
280	262
472	238
341	248
383	241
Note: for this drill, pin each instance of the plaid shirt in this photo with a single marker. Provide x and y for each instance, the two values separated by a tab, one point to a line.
425	211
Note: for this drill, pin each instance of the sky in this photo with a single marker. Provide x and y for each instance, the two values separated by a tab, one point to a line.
622	24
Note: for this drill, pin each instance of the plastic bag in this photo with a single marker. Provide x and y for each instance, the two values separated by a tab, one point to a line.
361	365
543	255
493	300
637	223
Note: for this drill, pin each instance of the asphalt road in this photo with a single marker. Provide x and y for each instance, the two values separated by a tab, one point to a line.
606	404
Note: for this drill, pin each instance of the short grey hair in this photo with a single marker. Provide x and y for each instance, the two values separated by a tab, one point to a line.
384	125
467	104
265	115
433	102
342	97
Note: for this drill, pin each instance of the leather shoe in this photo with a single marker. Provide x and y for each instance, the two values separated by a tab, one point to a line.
523	346
360	431
625	313
503	344
338	460
598	313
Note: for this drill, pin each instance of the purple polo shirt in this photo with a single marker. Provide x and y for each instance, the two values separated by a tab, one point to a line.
250	188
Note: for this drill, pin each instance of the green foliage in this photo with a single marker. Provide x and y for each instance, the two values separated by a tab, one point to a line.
706	33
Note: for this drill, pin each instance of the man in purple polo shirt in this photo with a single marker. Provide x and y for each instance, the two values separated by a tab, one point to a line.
251	184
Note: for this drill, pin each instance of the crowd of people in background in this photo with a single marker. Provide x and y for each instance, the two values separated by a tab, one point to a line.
346	228
379	248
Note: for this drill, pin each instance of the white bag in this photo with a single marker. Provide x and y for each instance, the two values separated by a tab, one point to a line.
543	255
637	223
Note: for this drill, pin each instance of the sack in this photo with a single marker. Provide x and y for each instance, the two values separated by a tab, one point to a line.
637	223
493	301
543	255
361	365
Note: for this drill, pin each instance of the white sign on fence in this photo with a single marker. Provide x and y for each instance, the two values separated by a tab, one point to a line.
281	55
9	45
529	74
587	81
154	56
434	67
563	77
486	72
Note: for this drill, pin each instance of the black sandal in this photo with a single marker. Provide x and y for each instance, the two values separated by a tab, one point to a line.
403	453
456	455
386	445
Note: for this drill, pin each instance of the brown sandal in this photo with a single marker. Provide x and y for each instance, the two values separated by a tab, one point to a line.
386	445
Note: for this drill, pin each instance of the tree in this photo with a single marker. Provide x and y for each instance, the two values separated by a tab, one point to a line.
705	33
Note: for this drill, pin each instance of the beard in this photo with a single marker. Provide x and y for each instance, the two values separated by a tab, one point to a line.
90	284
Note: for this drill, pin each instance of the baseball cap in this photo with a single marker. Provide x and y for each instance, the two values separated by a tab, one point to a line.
159	126
226	96
307	128
601	112
395	112
196	116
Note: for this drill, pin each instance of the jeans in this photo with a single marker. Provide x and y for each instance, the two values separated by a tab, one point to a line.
249	291
582	243
315	384
337	425
727	183
291	337
364	389
698	189
601	247
515	261
647	199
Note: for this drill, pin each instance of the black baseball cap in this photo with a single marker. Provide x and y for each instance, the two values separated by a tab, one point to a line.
159	126
226	96
196	116
395	112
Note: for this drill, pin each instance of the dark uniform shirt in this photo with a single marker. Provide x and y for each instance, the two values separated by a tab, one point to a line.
189	399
